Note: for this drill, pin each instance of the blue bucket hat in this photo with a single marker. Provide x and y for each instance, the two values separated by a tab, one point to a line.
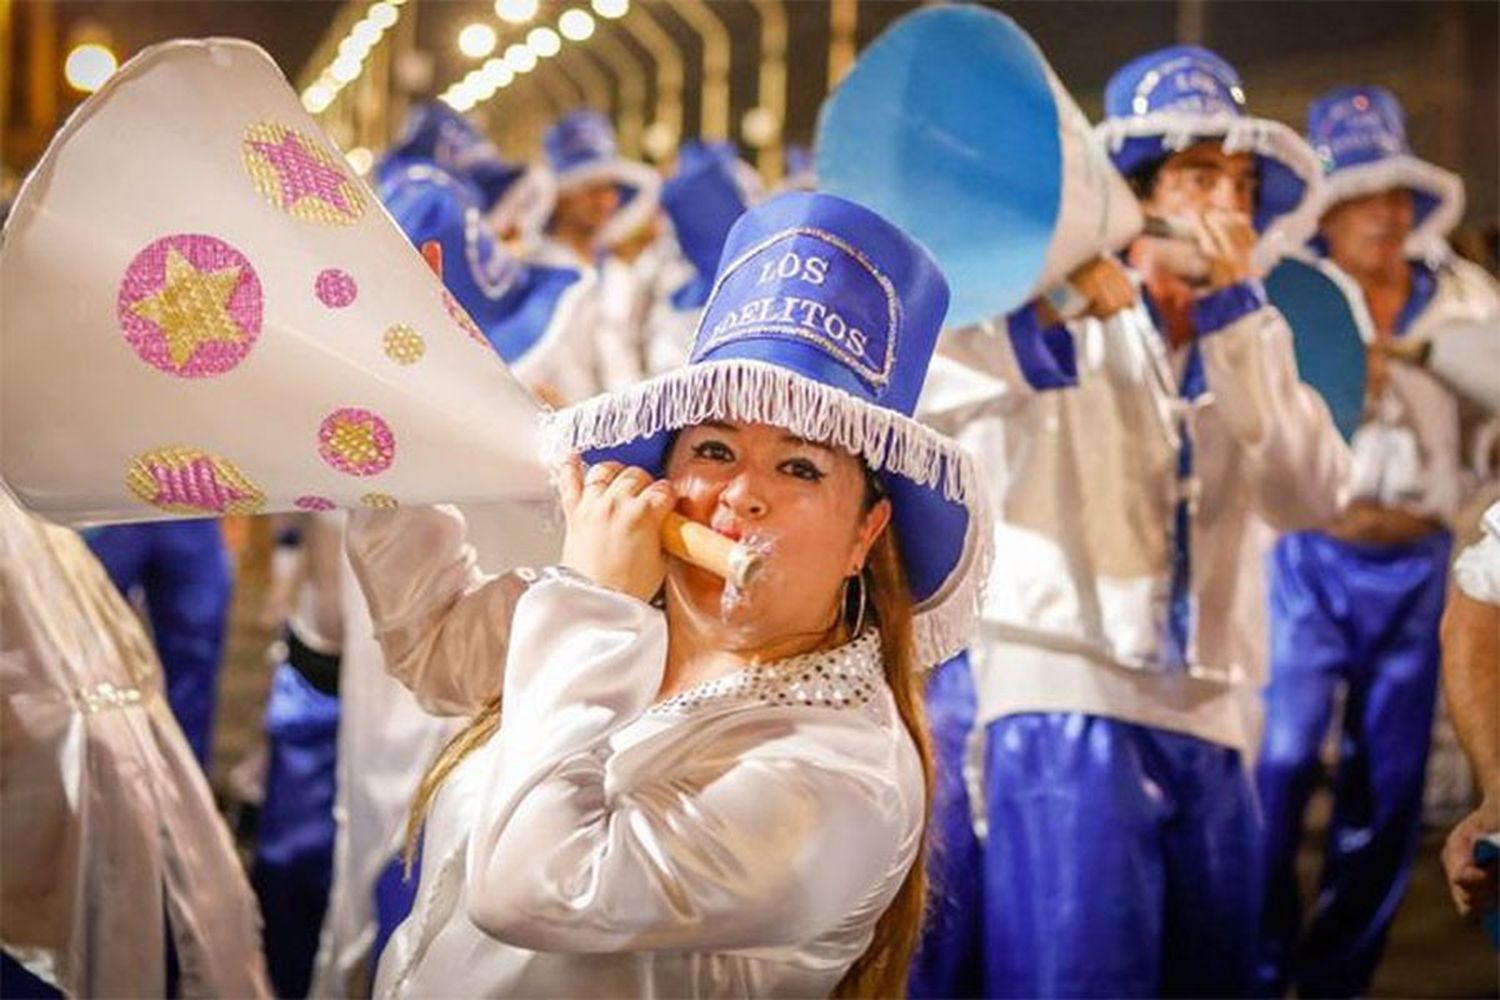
580	150
1165	101
822	320
438	136
703	199
427	184
1359	134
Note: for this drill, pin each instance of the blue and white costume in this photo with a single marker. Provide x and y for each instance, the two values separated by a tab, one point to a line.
597	342
1363	615
444	182
740	838
1136	488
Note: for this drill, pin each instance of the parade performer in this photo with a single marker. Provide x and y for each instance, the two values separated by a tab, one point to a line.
721	792
583	201
115	856
1143	455
444	182
1359	604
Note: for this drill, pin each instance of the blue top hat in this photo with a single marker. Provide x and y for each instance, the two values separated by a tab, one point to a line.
703	200
1359	134
822	320
438	136
1167	100
580	150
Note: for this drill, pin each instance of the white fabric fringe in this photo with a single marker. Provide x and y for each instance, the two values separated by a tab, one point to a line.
763	393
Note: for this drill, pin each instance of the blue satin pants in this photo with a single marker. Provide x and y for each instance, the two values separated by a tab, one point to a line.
1120	860
183	568
1365	618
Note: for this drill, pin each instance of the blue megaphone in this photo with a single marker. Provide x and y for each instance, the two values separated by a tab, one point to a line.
953	126
1330	328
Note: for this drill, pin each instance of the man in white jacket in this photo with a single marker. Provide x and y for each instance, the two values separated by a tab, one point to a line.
1140	464
573	211
1359	605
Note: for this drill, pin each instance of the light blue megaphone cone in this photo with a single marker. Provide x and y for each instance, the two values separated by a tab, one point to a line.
953	126
1330	328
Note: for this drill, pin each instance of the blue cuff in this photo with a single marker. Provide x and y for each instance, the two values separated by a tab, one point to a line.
1045	356
1216	310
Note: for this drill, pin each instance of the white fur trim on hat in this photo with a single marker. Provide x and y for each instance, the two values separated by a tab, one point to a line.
1242	134
634	213
1403	171
527	204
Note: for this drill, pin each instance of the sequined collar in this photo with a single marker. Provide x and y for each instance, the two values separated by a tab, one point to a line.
842	678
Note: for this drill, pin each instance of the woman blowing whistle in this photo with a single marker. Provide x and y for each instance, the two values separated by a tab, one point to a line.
673	787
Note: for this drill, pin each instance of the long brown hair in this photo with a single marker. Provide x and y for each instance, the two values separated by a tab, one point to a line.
881	970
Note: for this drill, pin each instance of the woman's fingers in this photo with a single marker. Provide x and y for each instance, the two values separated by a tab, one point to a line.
600	475
629	483
569	479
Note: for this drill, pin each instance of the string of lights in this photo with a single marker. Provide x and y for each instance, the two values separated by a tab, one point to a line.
479	41
349	62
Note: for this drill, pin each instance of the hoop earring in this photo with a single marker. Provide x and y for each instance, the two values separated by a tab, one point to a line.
859	617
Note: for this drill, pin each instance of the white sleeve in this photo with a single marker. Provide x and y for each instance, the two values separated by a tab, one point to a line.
621	354
994	367
741	841
1296	463
1477	570
443	625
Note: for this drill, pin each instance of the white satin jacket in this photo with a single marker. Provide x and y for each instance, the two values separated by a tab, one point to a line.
1422	448
109	838
739	839
1082	435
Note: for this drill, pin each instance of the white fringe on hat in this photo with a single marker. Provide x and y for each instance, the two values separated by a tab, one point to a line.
759	392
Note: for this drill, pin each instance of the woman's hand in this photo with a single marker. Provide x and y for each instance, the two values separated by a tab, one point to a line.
614	515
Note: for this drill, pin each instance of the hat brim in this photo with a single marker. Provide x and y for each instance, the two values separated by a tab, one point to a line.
640	193
1290	174
1438	195
938	508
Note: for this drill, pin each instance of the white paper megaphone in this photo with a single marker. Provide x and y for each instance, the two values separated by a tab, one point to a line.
206	312
953	126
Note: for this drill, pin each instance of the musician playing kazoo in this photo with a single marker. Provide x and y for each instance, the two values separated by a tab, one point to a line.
672	787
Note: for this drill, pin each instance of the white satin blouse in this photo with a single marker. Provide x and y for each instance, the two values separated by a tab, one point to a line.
741	838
